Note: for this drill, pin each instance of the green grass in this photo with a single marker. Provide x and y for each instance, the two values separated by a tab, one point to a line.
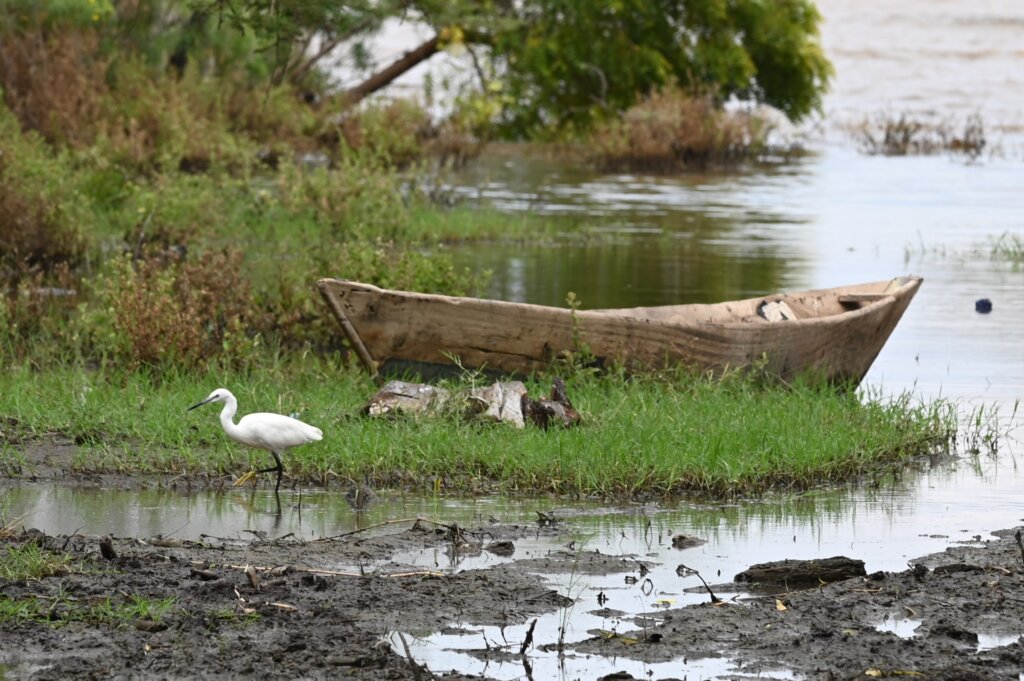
647	435
1008	247
120	611
20	563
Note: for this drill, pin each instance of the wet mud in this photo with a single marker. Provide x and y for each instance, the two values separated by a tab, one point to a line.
294	614
345	607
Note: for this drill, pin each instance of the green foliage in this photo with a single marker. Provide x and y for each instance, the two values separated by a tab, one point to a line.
553	64
26	15
787	66
42	217
573	62
167	311
392	131
384	264
285	30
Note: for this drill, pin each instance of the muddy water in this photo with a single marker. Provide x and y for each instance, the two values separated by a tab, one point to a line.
948	59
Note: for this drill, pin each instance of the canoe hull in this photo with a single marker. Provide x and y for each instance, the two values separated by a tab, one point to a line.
836	335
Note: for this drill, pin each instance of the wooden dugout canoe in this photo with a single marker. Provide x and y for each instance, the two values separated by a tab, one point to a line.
834	334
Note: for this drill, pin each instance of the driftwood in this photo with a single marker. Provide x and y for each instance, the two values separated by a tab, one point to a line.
557	409
404	397
107	548
501	401
803	573
505	402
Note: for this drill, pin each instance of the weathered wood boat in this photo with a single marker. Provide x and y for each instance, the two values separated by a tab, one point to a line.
833	334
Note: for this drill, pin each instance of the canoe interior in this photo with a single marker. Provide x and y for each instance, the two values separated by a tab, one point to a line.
806	305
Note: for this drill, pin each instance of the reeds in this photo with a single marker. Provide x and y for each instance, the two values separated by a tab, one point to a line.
887	134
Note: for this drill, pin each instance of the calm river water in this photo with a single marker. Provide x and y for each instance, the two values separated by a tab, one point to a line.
834	217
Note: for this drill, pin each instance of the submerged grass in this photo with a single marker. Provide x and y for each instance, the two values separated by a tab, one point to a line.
641	436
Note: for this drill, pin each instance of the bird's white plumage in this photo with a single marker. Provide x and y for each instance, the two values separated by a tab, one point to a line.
272	432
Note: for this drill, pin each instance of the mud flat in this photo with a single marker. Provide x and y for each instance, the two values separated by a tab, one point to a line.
331	608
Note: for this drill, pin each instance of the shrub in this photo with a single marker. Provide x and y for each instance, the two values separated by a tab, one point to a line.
392	130
169	311
357	198
51	67
40	214
673	130
904	135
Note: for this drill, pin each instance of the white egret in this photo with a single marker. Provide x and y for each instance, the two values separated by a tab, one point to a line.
275	433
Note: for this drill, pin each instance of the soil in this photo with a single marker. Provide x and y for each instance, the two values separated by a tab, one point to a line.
303	618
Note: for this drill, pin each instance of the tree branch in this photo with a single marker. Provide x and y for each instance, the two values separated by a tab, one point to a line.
328	46
386	76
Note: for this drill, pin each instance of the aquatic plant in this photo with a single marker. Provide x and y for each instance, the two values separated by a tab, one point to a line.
905	135
673	130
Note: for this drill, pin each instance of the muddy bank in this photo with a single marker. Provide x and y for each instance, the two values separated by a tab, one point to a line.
299	617
330	608
959	614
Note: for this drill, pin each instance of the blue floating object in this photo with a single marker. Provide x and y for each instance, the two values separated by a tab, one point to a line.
983	305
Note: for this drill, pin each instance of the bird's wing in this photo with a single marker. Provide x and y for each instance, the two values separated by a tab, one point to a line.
276	431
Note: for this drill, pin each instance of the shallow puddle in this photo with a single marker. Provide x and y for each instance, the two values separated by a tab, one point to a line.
445	651
989	641
904	627
950	503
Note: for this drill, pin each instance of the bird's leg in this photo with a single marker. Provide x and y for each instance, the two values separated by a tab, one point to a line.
279	468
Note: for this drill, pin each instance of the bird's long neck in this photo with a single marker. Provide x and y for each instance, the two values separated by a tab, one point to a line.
227	415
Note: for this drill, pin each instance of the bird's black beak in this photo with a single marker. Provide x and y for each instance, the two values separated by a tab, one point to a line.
199	404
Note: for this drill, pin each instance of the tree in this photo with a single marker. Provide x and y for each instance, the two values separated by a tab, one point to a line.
557	64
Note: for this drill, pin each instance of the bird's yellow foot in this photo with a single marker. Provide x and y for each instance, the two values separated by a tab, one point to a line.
251	475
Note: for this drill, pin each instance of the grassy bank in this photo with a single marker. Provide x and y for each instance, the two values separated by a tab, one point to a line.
654	435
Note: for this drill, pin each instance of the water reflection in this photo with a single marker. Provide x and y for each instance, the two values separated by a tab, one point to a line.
885	525
833	217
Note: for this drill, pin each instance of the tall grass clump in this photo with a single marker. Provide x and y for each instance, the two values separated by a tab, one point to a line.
906	135
675	130
1008	247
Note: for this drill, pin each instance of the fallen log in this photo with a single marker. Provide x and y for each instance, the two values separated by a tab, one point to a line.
556	409
504	401
801	574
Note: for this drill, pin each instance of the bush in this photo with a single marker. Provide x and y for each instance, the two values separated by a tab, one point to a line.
51	67
40	213
166	311
672	130
905	135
